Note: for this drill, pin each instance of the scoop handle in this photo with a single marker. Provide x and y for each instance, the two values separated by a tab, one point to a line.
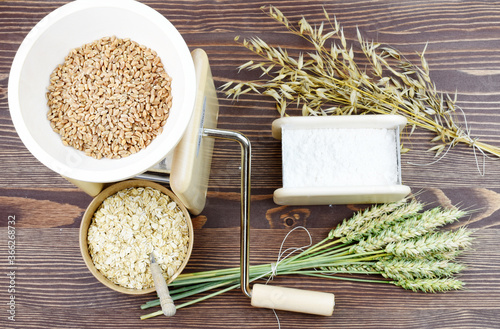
166	302
294	300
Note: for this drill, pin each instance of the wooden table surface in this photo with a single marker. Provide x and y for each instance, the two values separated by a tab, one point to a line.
54	289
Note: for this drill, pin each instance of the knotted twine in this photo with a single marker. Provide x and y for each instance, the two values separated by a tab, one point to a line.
284	254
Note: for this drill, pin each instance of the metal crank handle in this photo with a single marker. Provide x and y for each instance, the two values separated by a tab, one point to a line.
246	154
293	300
279	298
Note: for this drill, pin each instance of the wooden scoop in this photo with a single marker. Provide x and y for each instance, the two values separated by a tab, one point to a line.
166	302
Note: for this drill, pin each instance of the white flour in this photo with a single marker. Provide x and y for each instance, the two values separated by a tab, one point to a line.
330	157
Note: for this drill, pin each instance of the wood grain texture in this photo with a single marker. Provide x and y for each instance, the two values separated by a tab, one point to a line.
55	287
55	290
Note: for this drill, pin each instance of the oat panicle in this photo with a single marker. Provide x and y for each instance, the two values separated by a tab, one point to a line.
328	80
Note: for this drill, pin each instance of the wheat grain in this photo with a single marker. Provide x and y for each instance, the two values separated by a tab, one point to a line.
106	90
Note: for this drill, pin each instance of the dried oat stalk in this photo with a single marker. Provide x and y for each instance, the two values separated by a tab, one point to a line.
329	81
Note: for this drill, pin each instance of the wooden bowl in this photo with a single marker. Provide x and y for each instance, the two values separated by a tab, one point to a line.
87	219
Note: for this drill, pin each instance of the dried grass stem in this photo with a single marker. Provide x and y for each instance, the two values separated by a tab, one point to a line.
328	81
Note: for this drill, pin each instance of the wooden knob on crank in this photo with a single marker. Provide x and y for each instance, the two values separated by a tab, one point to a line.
166	302
294	300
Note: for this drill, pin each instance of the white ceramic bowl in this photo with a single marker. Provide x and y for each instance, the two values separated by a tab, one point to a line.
71	26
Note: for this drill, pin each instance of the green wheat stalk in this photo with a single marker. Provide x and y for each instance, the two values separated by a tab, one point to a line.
399	244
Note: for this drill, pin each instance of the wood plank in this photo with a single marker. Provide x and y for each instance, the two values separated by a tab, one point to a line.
64	208
54	286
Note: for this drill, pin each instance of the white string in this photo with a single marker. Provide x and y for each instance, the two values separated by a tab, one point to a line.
474	147
287	252
453	142
477	163
433	162
277	319
274	269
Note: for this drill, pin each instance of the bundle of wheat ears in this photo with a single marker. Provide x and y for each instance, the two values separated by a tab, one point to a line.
396	243
329	81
